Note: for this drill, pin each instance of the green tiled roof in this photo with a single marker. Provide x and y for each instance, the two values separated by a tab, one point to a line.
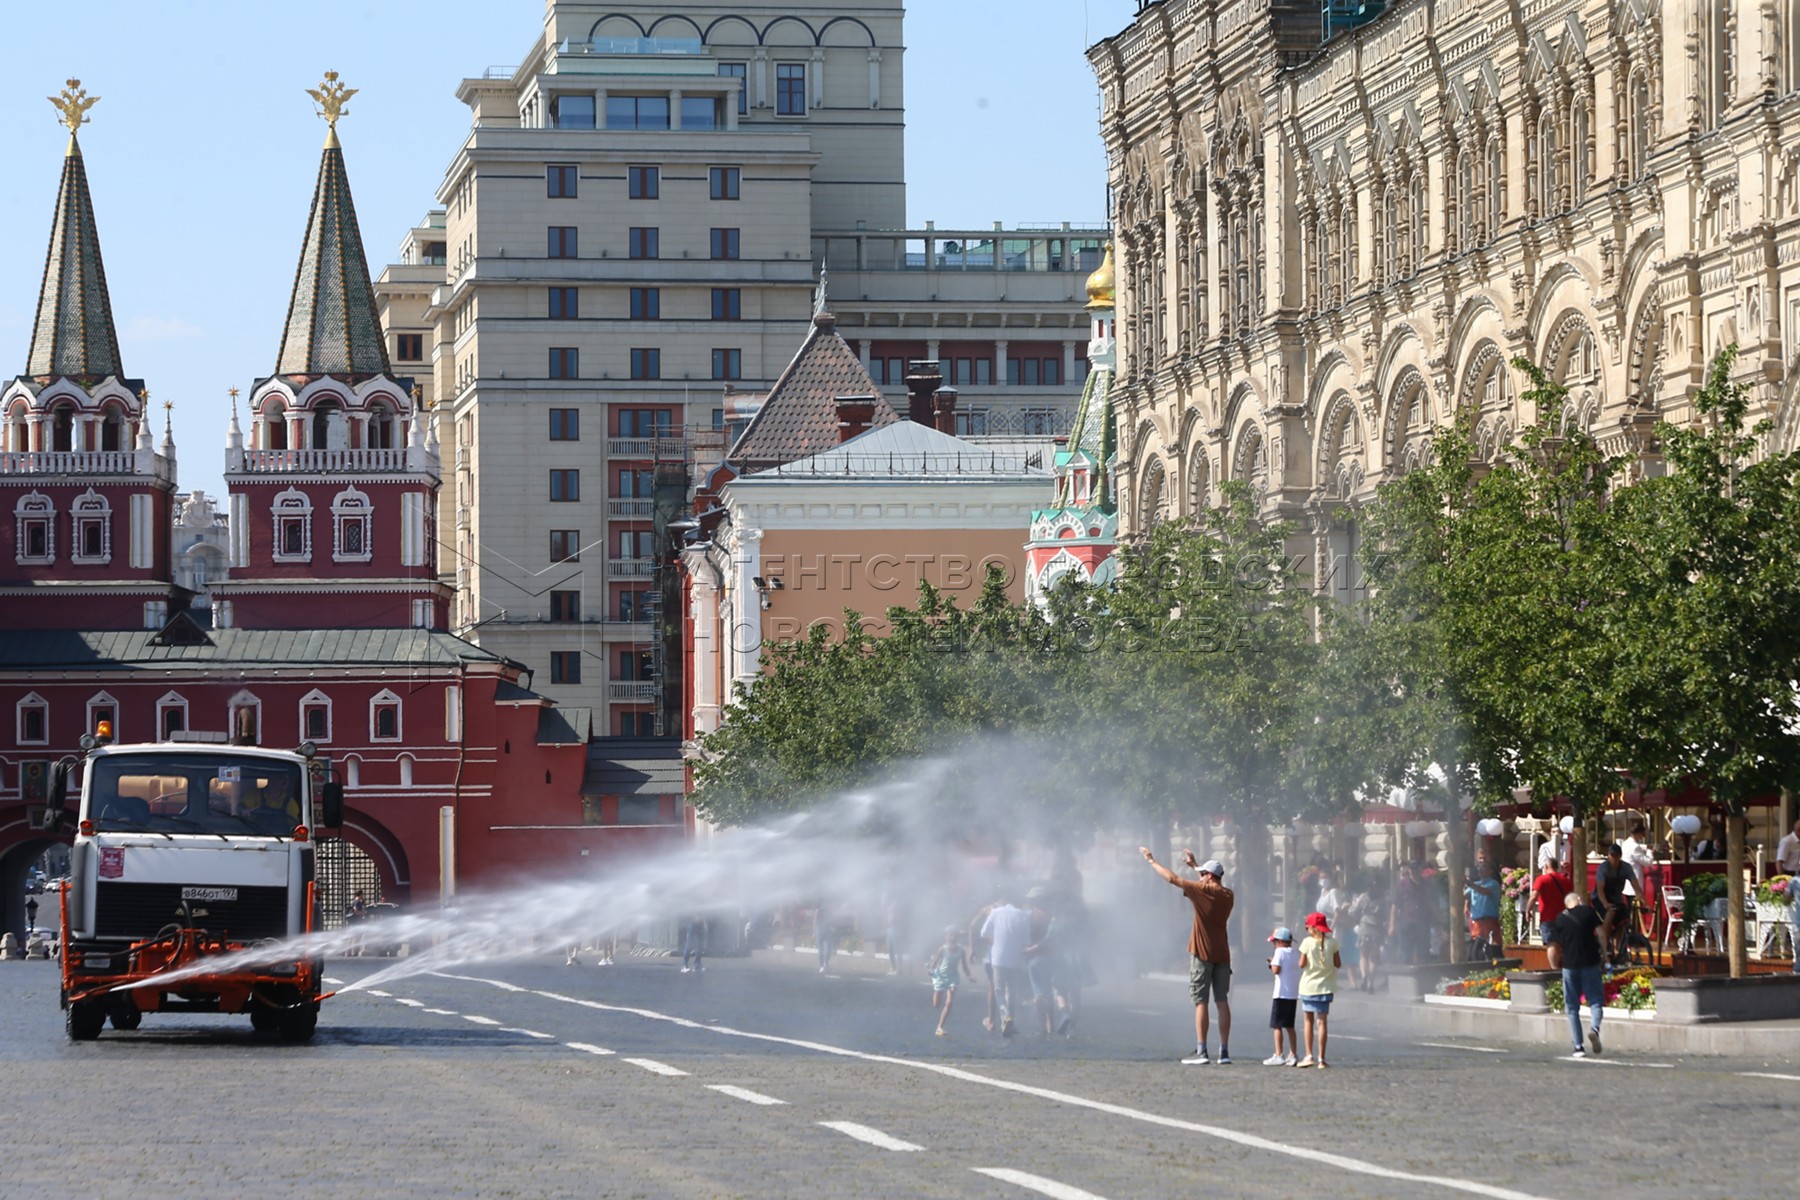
37	650
74	334
332	328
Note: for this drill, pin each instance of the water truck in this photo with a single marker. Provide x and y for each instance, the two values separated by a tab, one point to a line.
187	854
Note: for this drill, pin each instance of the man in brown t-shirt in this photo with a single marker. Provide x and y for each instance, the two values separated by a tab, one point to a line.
1209	969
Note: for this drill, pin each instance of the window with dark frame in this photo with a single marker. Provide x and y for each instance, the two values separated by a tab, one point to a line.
727	304
645	422
645	242
790	89
565	362
643	183
565	545
646	304
646	364
565	606
293	535
387	722
563	242
315	720
727	364
723	182
724	244
565	424
174	720
565	303
411	347
560	181
634	605
565	486
34	721
35	536
565	666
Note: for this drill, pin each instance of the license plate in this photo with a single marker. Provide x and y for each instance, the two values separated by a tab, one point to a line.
209	893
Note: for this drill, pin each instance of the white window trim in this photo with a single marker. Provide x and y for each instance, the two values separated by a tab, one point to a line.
105	700
315	699
379	700
31	701
167	702
348	507
88	508
293	504
235	705
32	507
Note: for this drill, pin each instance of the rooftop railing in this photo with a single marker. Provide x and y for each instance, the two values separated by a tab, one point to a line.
325	460
77	462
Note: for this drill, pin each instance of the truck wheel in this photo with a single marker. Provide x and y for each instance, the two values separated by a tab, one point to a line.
263	1019
126	1017
298	1024
84	1020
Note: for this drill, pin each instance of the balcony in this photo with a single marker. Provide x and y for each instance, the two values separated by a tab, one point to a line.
631	568
316	461
79	462
633	690
647	447
642	509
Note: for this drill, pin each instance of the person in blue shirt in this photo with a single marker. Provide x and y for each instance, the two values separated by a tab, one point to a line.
1483	892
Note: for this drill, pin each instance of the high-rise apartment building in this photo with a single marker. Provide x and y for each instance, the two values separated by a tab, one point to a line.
633	229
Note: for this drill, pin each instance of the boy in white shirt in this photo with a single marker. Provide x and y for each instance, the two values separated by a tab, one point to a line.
1284	965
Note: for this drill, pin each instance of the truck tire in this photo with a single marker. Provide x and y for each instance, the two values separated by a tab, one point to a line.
126	1017
84	1020
263	1019
298	1024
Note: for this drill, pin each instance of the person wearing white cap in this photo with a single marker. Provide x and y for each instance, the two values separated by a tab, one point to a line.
1284	964
1209	950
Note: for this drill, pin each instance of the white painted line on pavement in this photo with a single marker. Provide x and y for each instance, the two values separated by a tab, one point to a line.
409	1003
442	1012
583	1046
334	982
1037	1183
480	1020
1350	1037
1252	1141
738	1093
373	992
1613	1062
548	1037
659	1068
1769	1075
1450	1046
874	1137
509	987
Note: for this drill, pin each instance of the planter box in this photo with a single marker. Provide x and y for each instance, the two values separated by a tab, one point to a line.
1530	990
1469	1002
1696	1001
1417	982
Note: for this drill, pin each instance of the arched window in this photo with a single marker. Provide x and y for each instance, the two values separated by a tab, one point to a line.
406	770
171	715
34	520
1578	153
31	717
351	532
102	707
292	514
243	714
18	429
91	521
1638	134
112	426
1549	164
381	427
62	428
1494	180
315	717
274	425
384	717
1420	227
1468	201
329	431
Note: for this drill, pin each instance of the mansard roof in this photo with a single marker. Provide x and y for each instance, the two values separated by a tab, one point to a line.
74	334
799	416
331	327
132	650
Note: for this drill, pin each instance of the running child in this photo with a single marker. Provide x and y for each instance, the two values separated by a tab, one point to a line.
945	965
1284	964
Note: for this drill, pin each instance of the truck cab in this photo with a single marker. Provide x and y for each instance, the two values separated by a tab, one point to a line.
185	855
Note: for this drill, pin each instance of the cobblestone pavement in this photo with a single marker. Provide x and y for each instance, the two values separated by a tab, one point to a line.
762	1078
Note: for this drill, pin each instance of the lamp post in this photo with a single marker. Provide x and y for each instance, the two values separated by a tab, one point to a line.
1685	826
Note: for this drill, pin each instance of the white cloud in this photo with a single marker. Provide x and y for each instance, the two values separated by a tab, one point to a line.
159	329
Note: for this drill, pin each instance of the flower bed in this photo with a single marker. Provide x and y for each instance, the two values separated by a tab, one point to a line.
1633	990
1777	891
1480	986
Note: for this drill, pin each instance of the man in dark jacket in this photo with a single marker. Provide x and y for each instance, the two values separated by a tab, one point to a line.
1578	935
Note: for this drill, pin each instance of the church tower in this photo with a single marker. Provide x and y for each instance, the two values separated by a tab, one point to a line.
334	491
1080	532
85	500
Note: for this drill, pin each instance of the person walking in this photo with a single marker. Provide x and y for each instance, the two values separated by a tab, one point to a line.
824	934
693	943
1787	860
980	950
1575	939
1319	963
1008	931
1209	949
31	911
946	964
1408	921
1370	929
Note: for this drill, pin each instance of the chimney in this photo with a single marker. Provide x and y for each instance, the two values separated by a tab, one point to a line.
855	414
922	379
943	410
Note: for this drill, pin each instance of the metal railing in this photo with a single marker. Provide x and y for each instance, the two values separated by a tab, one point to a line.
631	508
631	568
632	690
325	460
666	447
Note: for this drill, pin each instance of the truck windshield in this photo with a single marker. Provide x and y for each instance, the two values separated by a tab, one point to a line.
197	793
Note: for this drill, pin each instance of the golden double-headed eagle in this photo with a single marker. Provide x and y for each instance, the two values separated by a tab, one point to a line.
331	97
73	104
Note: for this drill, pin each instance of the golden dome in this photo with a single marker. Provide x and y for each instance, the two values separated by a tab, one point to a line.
1100	283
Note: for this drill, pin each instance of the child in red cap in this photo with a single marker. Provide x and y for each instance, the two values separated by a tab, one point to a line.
1319	963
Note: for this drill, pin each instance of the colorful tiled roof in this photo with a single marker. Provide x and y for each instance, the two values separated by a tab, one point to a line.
332	328
74	334
799	417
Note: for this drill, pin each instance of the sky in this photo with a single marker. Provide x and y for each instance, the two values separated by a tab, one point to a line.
202	153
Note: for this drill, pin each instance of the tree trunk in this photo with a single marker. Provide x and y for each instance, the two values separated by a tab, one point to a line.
1578	859
1455	832
1734	894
